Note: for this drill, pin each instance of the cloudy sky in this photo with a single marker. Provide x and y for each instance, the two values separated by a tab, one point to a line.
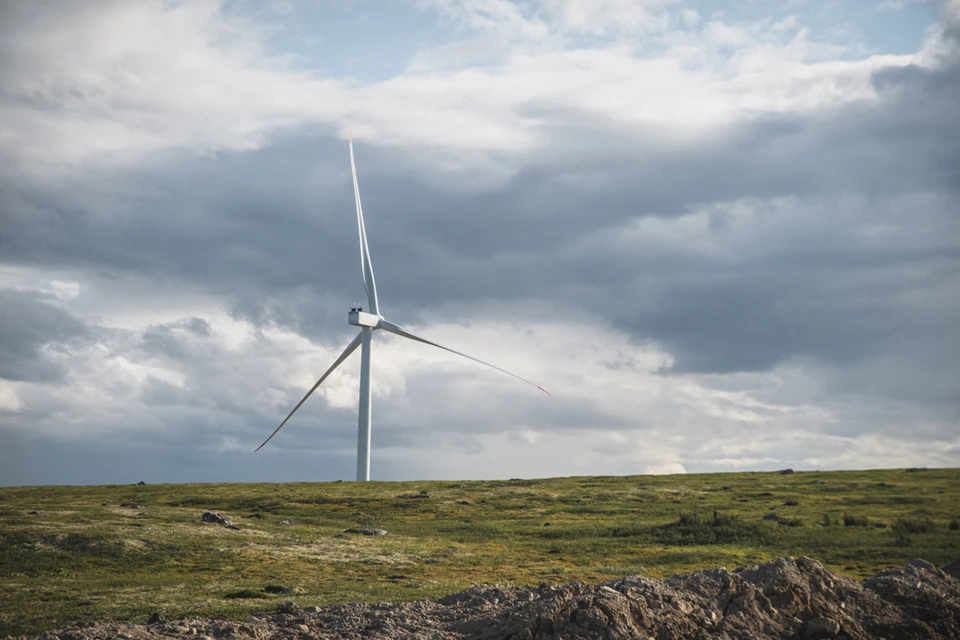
725	236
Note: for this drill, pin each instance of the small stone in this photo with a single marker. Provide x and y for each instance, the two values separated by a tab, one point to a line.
302	628
548	524
155	618
312	609
124	636
33	513
772	516
287	522
919	563
952	568
463	502
233	526
368	532
277	588
821	628
424	492
215	518
287	607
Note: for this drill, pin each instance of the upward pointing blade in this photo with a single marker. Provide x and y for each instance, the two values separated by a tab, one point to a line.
343	356
400	331
368	282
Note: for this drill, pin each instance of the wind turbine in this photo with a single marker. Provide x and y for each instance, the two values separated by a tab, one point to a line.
368	323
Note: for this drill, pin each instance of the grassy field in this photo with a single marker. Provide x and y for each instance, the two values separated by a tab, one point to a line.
69	554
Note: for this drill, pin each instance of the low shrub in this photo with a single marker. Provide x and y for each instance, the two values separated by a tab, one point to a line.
243	594
855	521
917	525
722	528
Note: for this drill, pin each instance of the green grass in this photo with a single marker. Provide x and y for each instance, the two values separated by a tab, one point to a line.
85	556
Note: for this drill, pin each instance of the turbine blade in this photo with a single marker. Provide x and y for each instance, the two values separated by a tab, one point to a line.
367	267
343	356
400	331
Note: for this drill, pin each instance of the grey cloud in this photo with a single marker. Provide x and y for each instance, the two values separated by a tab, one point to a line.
28	324
272	234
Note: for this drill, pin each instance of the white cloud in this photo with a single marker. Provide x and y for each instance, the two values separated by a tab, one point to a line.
665	468
122	81
114	85
604	16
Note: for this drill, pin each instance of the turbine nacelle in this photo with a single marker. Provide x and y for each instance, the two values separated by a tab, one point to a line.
359	318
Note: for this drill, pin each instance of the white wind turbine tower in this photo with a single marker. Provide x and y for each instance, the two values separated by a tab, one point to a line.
368	323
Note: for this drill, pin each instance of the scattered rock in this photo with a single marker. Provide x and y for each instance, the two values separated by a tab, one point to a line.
424	492
724	488
312	609
287	522
155	618
464	502
921	564
772	516
818	628
233	526
287	607
33	513
215	518
952	568
548	524
278	588
368	532
130	505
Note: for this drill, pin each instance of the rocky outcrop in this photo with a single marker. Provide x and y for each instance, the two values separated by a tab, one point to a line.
786	598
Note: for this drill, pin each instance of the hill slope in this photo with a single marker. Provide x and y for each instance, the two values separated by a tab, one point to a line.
119	553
